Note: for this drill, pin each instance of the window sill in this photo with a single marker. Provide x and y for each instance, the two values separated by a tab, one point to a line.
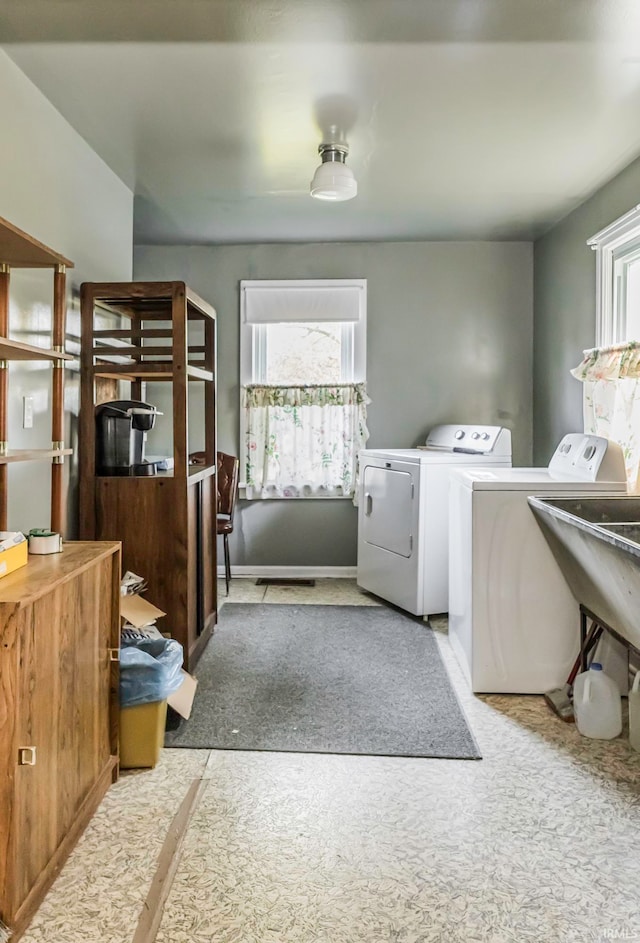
242	494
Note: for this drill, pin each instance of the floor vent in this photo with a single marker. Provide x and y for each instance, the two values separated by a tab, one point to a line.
283	581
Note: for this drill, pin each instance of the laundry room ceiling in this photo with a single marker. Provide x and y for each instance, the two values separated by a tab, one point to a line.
465	119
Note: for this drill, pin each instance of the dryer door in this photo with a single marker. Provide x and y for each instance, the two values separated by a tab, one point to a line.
387	511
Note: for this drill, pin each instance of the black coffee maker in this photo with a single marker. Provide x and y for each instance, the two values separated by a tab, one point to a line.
121	428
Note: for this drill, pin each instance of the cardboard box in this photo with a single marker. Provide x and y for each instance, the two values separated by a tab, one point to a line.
182	699
138	612
13	558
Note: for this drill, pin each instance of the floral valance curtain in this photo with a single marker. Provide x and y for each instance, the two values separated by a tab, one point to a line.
611	400
303	441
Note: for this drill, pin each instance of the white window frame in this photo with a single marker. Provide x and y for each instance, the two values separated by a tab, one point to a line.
253	337
615	244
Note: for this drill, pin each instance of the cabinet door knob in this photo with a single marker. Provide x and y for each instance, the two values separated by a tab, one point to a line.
26	756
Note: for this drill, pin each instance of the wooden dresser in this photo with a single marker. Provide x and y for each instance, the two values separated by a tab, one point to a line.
59	641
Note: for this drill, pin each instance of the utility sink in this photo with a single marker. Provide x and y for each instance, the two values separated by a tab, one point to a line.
596	541
621	509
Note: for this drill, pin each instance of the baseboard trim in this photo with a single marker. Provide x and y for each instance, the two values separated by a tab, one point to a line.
292	572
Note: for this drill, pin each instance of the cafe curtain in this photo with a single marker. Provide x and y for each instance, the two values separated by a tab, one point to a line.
611	399
303	441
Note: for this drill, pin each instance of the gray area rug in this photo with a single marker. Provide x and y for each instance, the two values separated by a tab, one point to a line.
325	679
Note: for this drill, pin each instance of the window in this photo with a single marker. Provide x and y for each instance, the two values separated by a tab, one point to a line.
610	371
303	358
618	280
313	352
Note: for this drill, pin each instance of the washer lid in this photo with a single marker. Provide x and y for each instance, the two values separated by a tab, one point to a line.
581	462
529	480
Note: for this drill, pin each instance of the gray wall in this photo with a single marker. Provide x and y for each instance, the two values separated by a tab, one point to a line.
53	186
449	339
565	308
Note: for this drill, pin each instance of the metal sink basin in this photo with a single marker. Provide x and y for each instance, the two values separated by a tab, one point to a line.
630	532
596	542
622	509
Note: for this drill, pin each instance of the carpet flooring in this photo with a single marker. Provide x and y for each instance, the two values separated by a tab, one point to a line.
324	679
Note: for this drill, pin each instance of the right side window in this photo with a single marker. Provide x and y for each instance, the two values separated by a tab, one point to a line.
617	249
610	371
626	292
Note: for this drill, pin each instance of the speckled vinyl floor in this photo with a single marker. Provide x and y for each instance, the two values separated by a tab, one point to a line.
537	842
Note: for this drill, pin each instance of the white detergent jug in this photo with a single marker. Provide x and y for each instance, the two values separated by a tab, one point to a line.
597	705
634	713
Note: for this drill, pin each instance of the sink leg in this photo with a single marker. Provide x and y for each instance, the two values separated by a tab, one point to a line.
588	640
583	639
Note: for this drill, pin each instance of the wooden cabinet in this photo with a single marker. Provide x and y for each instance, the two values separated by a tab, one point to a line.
136	334
60	634
19	250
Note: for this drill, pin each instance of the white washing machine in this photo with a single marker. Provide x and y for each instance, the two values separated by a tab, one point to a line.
513	622
404	508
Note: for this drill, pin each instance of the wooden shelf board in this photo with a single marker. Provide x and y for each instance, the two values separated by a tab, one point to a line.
203	307
20	250
133	369
200	472
148	300
148	371
32	455
15	350
144	312
195	473
141	350
131	293
197	373
128	332
130	375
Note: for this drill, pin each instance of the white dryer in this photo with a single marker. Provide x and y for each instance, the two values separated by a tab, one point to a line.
513	622
403	513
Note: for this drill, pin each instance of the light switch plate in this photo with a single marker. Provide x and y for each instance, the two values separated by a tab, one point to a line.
27	412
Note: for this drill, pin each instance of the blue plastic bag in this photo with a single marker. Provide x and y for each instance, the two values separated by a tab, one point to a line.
150	670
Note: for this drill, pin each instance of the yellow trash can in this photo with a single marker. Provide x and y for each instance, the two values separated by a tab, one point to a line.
142	734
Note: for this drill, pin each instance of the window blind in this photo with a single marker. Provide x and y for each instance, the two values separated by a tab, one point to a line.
265	302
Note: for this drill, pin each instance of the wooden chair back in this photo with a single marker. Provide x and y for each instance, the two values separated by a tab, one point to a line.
228	471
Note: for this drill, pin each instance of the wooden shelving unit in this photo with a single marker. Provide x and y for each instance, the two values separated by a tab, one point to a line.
19	250
156	332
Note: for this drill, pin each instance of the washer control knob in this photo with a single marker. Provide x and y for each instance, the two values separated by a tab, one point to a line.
458	434
485	436
475	435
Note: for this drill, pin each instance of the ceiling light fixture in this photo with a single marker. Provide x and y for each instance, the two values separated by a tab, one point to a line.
333	180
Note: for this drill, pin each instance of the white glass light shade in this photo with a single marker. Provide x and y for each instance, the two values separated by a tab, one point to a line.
333	181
